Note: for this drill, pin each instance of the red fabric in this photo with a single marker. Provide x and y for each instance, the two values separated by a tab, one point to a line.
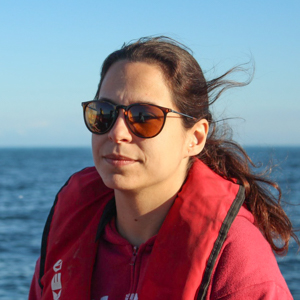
187	236
246	268
175	267
72	236
119	270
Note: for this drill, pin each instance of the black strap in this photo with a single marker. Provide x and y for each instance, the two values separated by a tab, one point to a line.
45	236
233	211
108	213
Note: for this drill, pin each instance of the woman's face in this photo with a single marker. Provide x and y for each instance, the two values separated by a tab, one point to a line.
127	162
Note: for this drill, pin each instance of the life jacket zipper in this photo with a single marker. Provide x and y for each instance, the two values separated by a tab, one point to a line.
132	263
134	255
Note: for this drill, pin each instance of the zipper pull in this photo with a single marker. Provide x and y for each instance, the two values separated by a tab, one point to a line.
134	255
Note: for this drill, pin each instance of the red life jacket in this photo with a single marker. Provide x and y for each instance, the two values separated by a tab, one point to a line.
185	250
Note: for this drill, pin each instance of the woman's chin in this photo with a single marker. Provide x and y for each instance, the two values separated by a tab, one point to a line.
118	182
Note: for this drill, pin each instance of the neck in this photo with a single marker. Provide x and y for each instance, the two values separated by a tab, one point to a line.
140	215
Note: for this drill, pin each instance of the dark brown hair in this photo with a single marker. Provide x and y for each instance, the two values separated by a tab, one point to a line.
193	95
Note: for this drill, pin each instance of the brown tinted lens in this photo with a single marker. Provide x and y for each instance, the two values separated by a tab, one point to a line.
145	120
99	116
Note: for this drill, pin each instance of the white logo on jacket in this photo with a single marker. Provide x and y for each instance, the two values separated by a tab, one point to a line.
127	297
57	266
56	280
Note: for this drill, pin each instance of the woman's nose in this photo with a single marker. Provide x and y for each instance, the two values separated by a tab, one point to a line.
120	131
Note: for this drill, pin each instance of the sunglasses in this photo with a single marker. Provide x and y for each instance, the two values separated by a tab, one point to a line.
143	120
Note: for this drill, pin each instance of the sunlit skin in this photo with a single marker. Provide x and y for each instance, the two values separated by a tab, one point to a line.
146	174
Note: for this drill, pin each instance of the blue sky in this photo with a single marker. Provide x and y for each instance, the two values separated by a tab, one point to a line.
51	53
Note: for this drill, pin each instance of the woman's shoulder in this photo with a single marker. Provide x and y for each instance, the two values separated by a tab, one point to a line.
247	266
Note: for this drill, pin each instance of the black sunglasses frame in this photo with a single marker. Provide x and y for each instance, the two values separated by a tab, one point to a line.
165	111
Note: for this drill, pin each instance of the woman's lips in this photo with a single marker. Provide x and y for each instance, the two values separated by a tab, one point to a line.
118	160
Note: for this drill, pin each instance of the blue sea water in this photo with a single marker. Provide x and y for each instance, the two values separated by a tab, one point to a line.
30	179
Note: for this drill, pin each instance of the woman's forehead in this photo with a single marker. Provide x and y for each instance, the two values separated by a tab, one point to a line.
127	82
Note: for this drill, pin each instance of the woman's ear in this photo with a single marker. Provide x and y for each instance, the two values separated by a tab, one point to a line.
197	137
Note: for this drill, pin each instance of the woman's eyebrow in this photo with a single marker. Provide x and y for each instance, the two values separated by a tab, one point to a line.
115	103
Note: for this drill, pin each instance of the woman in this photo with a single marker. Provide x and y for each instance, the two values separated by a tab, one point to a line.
171	209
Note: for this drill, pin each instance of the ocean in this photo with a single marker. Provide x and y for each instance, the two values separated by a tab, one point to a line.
31	177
